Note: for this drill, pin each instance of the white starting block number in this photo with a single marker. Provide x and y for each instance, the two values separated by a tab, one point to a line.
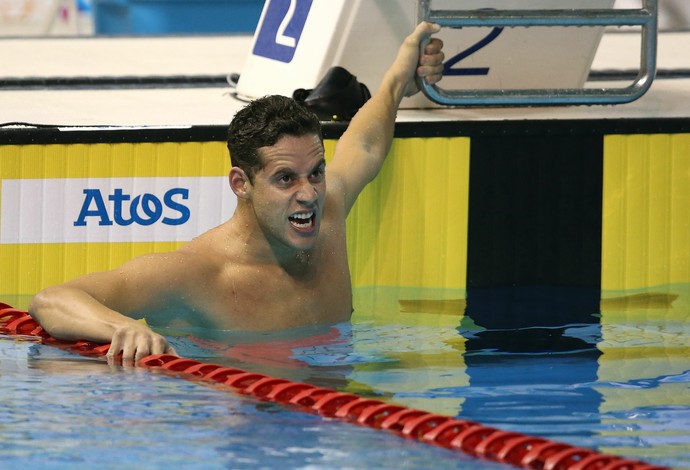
297	41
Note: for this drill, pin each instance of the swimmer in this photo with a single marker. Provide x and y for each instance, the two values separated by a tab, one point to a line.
280	261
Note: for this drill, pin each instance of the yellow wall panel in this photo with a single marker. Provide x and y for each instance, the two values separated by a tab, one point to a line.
646	211
409	227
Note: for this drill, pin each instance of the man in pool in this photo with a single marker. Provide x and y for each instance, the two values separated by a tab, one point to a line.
280	261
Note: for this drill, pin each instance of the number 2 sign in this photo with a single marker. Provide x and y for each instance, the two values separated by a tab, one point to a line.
281	29
448	66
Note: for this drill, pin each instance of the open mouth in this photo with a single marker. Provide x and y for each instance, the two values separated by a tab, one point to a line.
303	221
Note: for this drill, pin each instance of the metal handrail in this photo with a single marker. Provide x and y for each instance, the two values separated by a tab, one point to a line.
646	17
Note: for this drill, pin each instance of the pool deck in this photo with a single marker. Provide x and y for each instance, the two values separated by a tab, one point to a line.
219	56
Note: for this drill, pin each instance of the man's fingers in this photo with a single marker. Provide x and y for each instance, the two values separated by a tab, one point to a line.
434	46
132	345
141	352
115	347
431	62
128	352
426	29
430	73
432	79
159	345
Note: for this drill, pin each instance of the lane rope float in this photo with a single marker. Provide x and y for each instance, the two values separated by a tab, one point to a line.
468	437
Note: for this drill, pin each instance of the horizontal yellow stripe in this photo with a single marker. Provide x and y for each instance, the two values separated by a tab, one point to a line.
114	160
29	268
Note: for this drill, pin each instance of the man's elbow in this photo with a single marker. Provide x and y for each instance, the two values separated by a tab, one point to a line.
43	307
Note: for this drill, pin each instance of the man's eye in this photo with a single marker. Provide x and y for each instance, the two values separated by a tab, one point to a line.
319	172
285	179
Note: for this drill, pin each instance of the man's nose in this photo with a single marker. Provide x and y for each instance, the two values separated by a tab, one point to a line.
307	192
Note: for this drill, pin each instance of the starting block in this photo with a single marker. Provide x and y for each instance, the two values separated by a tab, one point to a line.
297	41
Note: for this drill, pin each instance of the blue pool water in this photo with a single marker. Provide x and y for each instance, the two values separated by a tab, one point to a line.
618	380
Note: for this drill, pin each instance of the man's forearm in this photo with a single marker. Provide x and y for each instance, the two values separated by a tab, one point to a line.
373	126
72	314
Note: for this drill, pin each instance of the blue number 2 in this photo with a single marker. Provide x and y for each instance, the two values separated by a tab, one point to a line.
488	39
281	28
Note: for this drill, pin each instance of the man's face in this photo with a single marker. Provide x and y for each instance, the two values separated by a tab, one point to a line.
288	193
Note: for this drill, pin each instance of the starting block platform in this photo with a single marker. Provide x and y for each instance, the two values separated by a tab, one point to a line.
300	40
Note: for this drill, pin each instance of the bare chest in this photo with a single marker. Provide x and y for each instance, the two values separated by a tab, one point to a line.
261	298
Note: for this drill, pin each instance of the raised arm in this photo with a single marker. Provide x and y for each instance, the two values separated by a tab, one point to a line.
363	147
89	307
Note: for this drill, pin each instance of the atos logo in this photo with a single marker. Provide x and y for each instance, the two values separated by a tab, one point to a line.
145	209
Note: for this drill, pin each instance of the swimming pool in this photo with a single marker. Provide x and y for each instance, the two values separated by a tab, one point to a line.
618	383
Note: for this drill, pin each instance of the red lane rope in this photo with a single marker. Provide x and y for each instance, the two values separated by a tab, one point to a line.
468	437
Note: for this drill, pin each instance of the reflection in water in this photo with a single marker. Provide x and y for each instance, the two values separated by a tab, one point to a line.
643	300
438	306
530	363
609	372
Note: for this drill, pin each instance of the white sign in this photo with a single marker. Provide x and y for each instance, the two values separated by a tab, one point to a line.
78	210
297	41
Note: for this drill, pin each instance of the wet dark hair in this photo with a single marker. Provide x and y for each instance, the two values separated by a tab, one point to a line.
261	124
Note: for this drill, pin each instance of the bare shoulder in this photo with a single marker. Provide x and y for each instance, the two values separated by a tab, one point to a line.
211	249
154	279
168	265
180	272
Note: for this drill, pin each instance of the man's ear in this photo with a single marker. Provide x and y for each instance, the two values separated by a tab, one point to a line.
239	182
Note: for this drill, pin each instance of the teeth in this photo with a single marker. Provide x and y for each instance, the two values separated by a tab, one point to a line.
302	220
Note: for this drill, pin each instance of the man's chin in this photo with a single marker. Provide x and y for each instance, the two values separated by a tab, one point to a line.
304	242
304	245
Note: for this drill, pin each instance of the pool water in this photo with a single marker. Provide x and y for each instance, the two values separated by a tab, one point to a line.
58	411
617	379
